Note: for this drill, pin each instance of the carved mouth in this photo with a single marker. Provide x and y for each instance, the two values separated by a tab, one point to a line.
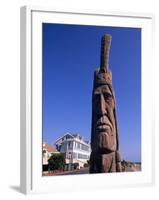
104	127
103	124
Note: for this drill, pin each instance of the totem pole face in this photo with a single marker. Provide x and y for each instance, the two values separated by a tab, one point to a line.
104	125
105	156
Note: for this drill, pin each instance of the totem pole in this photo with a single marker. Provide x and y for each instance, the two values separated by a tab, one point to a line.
105	155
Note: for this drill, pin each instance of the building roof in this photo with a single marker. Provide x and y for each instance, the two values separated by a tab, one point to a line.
66	134
69	135
49	148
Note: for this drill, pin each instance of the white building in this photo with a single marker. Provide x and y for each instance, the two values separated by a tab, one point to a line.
74	148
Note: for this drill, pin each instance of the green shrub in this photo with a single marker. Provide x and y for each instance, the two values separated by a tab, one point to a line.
56	162
76	165
86	165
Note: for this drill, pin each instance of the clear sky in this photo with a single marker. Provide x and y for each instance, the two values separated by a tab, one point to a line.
71	53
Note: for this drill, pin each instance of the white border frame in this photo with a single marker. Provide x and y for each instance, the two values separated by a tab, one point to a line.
31	93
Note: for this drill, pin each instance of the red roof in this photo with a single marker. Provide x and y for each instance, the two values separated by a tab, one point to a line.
49	148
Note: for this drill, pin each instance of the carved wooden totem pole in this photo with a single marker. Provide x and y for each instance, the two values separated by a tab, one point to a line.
105	155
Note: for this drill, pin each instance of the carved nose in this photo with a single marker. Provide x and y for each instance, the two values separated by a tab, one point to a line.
102	105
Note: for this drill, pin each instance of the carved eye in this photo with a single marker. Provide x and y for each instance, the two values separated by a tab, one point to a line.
108	98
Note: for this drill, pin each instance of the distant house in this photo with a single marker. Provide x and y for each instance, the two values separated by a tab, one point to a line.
74	148
48	151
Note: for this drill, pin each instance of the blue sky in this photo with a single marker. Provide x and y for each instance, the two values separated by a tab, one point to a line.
71	53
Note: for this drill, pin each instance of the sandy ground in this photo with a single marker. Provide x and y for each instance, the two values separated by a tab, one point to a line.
128	168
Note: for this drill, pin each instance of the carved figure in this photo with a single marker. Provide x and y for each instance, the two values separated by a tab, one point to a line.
105	155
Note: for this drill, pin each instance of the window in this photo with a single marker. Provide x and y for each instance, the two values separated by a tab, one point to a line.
78	145
69	155
63	147
70	145
44	151
84	147
82	156
74	155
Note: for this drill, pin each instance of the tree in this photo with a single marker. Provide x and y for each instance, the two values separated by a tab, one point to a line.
56	161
